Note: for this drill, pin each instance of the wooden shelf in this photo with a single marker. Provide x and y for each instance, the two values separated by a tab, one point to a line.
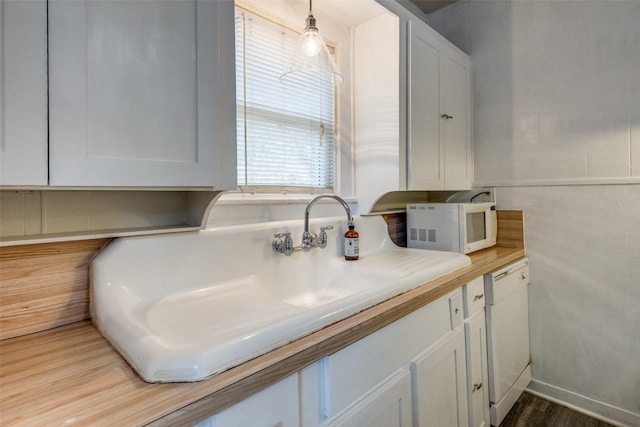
94	234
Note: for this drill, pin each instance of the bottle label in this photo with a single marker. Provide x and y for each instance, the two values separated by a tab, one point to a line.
351	246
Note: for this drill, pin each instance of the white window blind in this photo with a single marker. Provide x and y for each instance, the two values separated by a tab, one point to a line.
286	133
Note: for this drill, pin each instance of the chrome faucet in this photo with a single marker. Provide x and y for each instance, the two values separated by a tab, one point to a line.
309	239
283	243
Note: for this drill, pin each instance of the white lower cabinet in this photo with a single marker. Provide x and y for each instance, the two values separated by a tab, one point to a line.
440	384
412	372
369	383
356	370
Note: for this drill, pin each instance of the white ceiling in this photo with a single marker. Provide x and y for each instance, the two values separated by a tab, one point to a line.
429	6
350	12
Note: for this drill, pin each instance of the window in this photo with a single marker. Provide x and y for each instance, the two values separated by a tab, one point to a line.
286	133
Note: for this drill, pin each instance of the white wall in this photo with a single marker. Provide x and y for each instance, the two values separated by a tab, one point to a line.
557	116
585	293
376	106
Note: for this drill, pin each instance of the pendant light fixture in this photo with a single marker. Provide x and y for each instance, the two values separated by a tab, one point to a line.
311	59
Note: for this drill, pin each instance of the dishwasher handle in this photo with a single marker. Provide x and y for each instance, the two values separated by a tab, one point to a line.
523	275
512	270
504	282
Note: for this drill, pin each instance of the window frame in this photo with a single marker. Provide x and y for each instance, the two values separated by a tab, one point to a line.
267	190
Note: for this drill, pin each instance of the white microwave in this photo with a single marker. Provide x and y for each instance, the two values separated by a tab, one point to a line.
453	227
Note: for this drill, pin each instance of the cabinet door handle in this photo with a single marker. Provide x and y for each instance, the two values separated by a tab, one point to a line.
446	116
477	297
476	387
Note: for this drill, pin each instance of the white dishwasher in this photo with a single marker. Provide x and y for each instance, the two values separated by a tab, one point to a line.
507	315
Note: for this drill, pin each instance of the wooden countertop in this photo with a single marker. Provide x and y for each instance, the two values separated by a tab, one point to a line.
71	375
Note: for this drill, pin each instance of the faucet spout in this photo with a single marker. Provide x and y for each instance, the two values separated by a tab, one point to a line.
325	196
306	236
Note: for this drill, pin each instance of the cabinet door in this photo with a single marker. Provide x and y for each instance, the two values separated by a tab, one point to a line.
389	405
477	380
23	92
142	93
275	406
456	309
425	158
439	152
455	130
439	384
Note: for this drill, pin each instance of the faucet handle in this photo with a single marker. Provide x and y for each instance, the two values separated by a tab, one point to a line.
322	238
283	243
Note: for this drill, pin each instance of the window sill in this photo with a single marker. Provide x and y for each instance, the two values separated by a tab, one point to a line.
247	208
237	198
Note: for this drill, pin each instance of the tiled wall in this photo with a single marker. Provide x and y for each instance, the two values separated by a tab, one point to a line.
576	89
33	213
556	115
557	89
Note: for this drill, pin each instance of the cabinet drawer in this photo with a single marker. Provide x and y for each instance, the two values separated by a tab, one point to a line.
276	406
474	298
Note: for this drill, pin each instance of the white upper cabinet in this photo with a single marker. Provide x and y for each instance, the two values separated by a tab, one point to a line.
425	156
23	92
455	116
142	94
439	151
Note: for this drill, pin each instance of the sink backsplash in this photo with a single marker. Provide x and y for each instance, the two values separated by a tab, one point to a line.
245	248
45	285
237	209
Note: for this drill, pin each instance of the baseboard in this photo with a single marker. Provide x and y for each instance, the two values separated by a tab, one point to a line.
593	408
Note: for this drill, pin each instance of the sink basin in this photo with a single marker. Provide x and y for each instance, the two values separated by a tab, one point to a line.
182	307
338	279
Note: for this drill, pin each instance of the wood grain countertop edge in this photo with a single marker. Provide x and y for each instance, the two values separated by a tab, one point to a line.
71	375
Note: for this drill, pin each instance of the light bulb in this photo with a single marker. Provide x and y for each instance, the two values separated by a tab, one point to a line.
311	42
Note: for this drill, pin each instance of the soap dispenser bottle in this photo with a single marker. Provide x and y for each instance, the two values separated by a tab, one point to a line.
351	243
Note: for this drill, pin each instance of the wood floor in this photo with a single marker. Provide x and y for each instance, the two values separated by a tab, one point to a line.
532	411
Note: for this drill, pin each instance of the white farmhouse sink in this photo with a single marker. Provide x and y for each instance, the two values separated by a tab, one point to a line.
182	307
